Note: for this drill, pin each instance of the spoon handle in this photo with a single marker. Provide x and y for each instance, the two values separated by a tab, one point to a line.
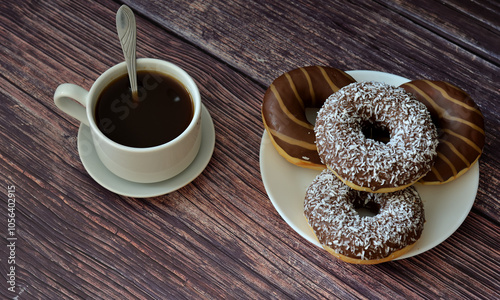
125	25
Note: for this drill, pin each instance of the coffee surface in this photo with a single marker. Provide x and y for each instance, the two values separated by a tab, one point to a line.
162	111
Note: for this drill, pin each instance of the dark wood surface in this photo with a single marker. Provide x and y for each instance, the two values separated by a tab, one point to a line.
220	236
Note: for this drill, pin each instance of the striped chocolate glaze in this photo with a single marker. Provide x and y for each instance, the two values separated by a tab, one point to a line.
284	110
460	126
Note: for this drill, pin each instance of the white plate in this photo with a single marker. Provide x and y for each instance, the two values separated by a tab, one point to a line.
446	206
120	186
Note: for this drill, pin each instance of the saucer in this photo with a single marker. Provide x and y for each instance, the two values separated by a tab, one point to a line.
118	185
446	206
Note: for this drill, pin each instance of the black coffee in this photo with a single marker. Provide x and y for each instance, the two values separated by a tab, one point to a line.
162	111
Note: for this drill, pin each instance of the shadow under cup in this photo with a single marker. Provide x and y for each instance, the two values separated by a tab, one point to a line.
151	163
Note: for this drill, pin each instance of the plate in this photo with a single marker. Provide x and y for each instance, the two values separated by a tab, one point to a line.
446	206
118	185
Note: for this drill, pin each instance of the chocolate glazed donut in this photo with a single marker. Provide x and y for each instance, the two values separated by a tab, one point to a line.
460	126
330	208
284	110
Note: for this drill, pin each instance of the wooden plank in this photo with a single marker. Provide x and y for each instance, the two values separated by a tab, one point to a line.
266	39
473	26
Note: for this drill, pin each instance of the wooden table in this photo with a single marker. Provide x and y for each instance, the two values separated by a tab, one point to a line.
220	236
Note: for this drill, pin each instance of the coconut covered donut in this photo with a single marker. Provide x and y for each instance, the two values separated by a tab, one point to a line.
284	111
330	209
460	126
367	164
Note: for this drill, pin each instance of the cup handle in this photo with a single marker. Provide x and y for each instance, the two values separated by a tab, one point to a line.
72	99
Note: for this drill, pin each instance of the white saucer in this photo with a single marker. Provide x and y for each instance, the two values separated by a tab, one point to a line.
120	186
446	206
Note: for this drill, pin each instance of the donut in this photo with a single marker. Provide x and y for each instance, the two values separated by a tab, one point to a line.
367	164
460	126
284	110
330	208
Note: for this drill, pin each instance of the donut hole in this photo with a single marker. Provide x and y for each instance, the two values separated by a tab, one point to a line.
375	131
365	208
367	212
439	126
311	114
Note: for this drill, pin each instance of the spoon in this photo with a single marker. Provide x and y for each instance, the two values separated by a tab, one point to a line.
125	25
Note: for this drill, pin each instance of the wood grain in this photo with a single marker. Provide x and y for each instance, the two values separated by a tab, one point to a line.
220	236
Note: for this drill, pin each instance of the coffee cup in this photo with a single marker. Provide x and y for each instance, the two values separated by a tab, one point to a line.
140	163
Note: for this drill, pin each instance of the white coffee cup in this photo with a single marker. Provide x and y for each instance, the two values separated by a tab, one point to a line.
143	165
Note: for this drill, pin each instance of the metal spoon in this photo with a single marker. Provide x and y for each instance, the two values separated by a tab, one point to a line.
125	25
